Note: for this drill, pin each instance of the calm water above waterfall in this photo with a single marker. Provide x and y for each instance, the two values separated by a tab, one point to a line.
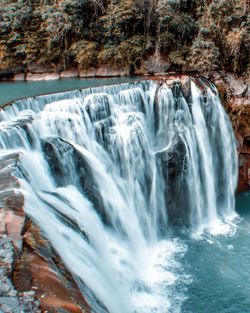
10	91
133	184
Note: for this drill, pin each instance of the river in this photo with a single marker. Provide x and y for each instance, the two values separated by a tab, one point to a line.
157	227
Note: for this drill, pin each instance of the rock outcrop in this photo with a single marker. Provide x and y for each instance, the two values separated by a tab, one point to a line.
235	95
32	277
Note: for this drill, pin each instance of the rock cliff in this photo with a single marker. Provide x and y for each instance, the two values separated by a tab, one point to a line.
235	95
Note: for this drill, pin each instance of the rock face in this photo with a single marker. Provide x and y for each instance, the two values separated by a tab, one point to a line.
32	277
235	95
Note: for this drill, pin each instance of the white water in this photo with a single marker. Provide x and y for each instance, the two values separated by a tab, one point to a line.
107	171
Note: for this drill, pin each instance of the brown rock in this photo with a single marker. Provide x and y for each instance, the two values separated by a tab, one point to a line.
29	259
90	72
44	76
234	94
237	85
43	272
8	72
19	77
106	71
69	73
37	68
12	225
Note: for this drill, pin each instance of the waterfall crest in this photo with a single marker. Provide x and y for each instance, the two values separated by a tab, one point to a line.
107	171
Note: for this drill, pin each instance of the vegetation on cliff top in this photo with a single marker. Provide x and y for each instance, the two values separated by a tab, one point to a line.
199	35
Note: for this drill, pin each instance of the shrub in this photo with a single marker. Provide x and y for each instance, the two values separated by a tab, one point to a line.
204	55
85	53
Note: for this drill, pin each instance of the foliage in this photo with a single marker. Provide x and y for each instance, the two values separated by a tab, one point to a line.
128	53
120	22
85	53
166	41
207	34
205	55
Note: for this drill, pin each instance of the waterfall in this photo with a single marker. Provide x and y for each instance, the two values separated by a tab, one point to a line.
107	171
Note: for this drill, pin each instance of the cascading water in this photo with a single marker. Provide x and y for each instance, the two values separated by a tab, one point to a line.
107	171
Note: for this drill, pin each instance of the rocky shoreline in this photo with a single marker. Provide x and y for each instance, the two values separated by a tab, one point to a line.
37	72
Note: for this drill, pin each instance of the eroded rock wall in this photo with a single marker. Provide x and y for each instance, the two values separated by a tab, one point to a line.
32	277
235	95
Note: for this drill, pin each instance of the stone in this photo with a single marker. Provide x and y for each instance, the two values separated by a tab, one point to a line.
69	73
43	76
106	71
19	77
6	288
90	72
103	71
6	255
234	93
237	85
37	68
14	224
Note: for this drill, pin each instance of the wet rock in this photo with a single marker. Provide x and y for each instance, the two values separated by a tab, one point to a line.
44	275
174	164
29	270
59	155
234	92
